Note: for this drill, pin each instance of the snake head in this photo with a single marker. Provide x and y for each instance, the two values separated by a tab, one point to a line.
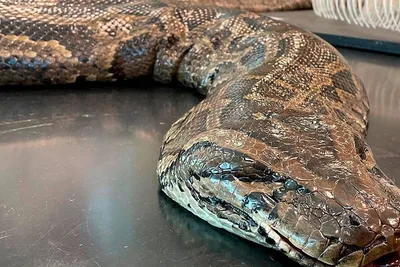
323	215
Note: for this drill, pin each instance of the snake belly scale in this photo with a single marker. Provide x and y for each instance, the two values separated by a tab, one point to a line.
276	151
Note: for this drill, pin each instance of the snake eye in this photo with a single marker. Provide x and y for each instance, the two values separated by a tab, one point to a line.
213	75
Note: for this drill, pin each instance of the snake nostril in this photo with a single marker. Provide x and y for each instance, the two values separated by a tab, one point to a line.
354	221
361	147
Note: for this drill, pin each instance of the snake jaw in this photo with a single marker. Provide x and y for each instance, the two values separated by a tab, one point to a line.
217	189
387	245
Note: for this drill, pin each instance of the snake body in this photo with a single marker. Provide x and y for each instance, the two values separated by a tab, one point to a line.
275	153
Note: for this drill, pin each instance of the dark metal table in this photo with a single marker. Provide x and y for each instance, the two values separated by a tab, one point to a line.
78	184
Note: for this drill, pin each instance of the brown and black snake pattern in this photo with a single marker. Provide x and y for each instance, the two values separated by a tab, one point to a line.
275	153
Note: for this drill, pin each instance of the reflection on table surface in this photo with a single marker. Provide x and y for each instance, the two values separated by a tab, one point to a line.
78	184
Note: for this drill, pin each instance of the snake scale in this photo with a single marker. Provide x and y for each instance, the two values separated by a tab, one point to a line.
276	151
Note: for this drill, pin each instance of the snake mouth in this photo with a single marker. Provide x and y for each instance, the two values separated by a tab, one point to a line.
389	260
383	252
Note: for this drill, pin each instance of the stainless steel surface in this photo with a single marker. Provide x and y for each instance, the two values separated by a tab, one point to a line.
78	184
308	20
340	33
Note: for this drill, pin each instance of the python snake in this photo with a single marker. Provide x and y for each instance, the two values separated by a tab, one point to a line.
275	153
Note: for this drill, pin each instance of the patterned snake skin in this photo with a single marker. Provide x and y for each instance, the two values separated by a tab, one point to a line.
275	153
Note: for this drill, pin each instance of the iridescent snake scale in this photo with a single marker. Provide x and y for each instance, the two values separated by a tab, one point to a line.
275	153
